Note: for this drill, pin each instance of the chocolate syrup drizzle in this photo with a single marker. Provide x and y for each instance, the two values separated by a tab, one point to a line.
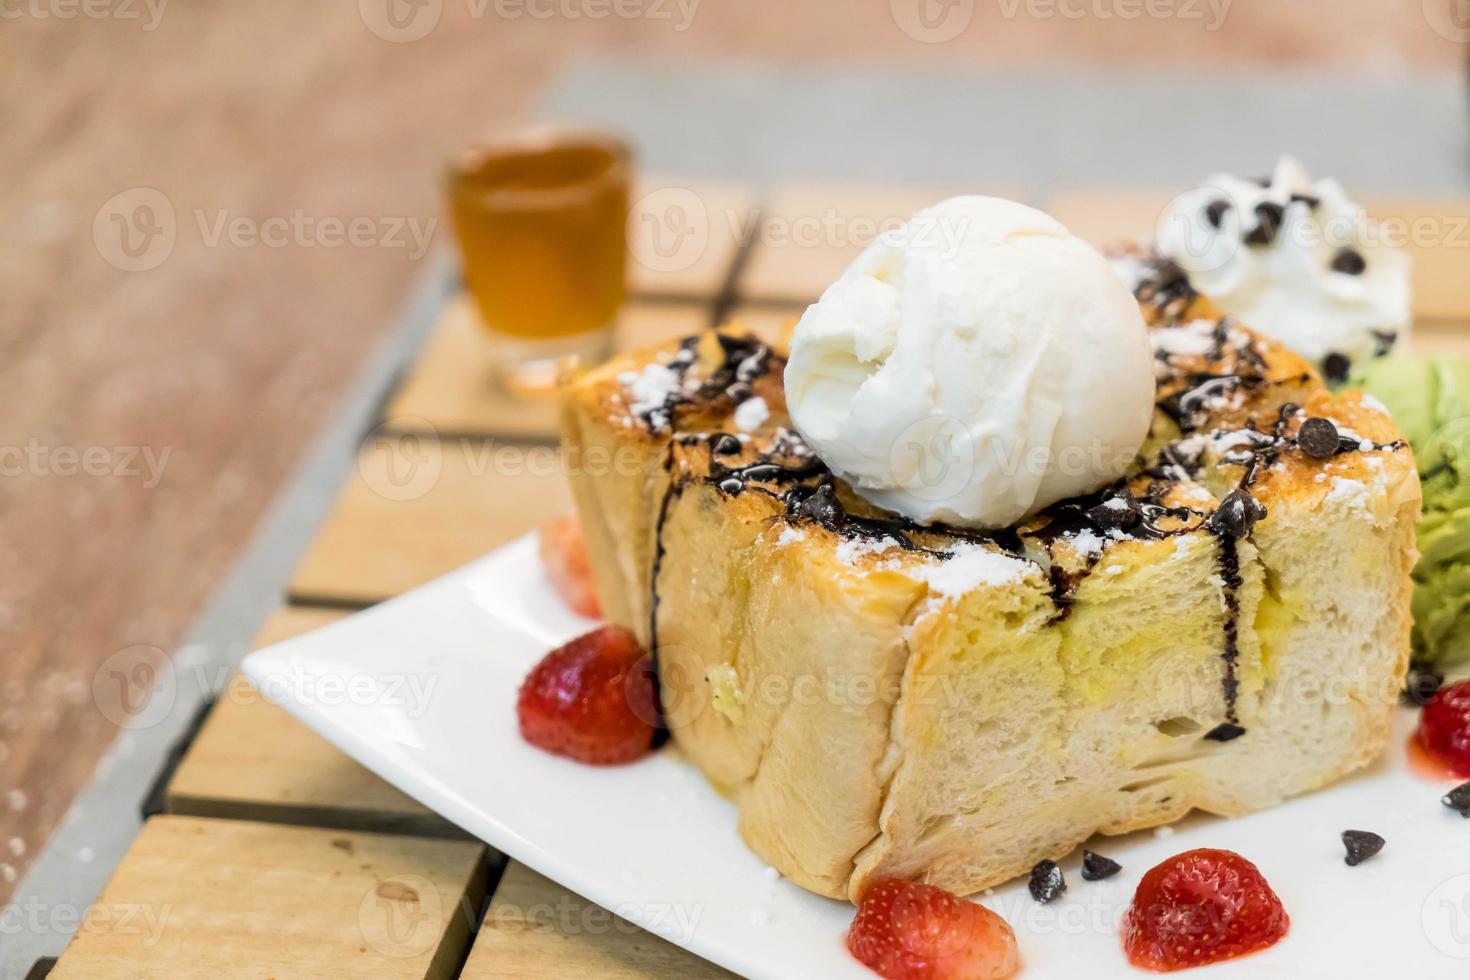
791	473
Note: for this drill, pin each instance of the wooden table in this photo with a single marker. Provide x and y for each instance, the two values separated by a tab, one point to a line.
276	855
227	352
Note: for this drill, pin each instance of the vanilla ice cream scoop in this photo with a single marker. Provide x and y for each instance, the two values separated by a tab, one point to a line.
974	366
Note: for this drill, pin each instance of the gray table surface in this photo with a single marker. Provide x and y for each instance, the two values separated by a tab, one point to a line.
759	125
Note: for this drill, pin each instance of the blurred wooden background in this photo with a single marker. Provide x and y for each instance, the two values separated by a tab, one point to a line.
147	417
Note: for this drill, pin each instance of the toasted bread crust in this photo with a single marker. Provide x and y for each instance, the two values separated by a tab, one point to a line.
884	699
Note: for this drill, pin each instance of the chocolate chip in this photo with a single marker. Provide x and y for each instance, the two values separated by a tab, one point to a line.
1238	513
1318	438
821	505
1458	799
1349	261
1215	211
1046	881
1310	200
1118	511
1224	732
1095	867
1421	683
731	485
727	445
1268	223
1336	367
1361	845
1383	341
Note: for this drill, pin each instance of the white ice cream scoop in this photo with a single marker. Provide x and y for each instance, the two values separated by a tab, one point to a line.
974	366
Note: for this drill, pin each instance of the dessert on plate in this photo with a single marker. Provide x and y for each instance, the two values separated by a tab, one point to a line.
997	556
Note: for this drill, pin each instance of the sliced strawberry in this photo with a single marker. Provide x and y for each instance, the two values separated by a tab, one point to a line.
1199	907
564	554
907	931
592	700
1444	728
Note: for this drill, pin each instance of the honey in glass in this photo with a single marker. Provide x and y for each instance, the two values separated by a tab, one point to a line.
541	221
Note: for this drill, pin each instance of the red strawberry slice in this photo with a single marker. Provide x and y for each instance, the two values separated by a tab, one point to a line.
907	931
592	700
564	554
1444	728
1199	907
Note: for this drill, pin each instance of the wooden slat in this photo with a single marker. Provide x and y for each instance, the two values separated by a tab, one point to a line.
415	508
1442	337
684	235
224	898
808	235
452	389
1434	231
536	928
253	761
1106	216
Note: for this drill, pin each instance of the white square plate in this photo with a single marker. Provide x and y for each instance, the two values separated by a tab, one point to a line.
422	691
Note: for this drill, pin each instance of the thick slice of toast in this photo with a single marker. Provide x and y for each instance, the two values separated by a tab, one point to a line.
883	699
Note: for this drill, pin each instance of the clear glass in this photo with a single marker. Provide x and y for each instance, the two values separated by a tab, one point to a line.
541	219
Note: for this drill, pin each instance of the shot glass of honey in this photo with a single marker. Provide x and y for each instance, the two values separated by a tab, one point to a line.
541	220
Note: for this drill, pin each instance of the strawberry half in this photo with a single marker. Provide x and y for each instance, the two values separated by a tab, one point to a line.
1200	907
907	931
564	555
1444	727
592	700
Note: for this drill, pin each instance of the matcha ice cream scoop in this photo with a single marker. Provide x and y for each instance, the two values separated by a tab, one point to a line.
1429	397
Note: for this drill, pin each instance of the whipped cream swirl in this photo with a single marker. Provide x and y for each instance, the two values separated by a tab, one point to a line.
1293	258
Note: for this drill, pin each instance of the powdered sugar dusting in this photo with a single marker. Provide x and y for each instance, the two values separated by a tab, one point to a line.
751	414
970	567
651	387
